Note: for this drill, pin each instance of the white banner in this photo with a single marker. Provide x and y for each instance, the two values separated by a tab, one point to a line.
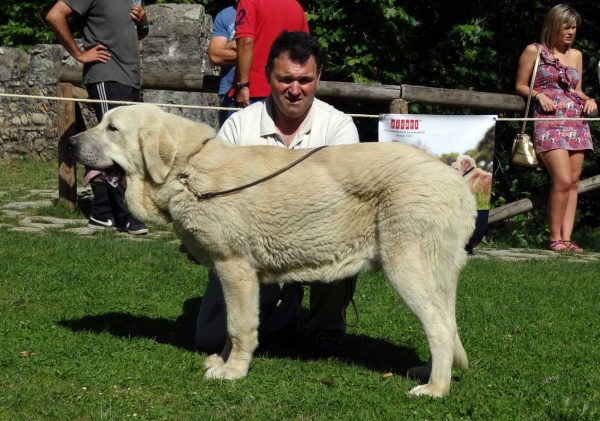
466	143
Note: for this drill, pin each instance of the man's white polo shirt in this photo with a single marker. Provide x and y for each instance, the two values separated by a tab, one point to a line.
323	125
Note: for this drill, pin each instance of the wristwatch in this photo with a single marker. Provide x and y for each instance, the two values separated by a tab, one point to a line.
242	85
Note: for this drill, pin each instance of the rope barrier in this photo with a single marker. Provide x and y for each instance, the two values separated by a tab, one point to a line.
548	119
209	107
100	101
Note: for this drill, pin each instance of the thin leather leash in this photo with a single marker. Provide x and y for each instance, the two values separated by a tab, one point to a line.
205	196
356	314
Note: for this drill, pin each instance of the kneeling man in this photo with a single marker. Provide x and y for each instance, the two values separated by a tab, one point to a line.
291	117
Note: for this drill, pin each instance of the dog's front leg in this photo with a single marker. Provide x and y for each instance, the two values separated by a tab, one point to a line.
240	290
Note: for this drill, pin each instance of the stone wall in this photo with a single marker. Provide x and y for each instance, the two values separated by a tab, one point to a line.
28	127
177	43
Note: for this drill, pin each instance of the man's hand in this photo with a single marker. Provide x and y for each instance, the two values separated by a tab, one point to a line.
242	99
57	19
98	53
138	15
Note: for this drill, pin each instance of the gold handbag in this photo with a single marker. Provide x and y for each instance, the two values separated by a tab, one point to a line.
523	151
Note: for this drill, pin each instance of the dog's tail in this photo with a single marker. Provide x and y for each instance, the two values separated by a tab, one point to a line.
460	355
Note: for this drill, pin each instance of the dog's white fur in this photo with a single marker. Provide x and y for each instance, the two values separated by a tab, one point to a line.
344	209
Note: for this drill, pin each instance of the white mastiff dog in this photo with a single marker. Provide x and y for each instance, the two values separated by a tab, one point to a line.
342	210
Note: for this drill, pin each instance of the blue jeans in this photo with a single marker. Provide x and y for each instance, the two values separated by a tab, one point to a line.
225	114
230	103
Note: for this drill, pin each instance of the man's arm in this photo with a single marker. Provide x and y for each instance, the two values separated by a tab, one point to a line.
245	32
221	52
138	15
245	53
57	19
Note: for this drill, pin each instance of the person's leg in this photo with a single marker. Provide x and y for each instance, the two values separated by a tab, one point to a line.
576	161
123	218
278	310
101	213
559	166
225	114
211	324
326	322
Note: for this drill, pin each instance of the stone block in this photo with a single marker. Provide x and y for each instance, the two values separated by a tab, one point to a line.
39	119
39	145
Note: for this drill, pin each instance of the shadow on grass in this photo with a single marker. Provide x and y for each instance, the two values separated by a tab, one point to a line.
179	333
372	353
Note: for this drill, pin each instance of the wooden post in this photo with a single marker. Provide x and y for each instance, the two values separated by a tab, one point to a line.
67	178
399	106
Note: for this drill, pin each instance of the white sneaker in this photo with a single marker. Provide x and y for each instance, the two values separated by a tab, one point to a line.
96	224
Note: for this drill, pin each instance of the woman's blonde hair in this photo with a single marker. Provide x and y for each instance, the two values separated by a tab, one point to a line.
558	16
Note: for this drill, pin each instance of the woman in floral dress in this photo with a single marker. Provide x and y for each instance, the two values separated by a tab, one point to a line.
557	93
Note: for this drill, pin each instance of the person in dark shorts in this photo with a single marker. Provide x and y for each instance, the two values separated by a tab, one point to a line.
111	70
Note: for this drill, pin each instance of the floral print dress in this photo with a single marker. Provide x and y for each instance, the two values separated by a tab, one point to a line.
558	82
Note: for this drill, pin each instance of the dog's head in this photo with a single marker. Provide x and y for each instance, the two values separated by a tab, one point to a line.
463	164
143	143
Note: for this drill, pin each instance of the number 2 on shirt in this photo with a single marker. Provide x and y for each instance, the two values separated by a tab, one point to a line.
241	14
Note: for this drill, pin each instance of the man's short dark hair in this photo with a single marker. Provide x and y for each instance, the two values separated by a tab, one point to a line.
298	46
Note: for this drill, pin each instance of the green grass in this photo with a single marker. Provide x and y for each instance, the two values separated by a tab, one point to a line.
19	177
109	326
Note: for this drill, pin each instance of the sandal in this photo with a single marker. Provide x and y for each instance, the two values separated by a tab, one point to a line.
558	246
571	246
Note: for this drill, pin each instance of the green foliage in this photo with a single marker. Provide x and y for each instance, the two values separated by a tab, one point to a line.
463	51
361	39
22	23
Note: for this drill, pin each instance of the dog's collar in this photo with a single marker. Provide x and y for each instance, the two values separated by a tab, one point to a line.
465	174
183	179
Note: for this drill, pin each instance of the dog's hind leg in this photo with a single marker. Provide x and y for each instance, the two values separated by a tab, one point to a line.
241	292
429	300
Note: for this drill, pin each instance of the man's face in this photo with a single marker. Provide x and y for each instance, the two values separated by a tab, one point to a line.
293	85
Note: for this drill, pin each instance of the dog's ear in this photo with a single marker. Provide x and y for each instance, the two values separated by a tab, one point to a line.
159	150
466	165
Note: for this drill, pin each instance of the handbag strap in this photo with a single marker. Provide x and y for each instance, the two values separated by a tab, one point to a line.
535	67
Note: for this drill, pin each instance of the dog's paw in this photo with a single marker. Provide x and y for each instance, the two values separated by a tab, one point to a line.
213	360
429	390
227	372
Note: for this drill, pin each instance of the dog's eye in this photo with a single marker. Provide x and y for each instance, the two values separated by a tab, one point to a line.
112	127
